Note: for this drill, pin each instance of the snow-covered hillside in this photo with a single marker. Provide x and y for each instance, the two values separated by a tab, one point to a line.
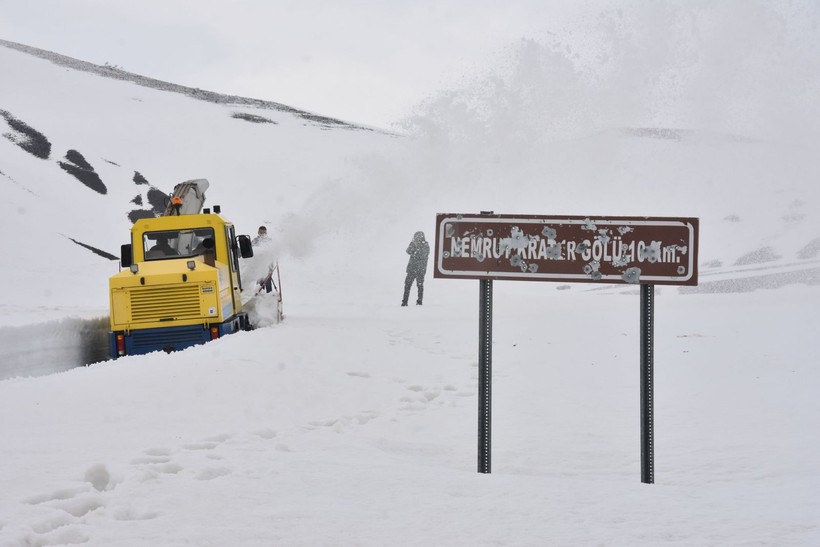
353	422
110	150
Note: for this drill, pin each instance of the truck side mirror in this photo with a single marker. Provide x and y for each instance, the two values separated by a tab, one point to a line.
126	256
245	247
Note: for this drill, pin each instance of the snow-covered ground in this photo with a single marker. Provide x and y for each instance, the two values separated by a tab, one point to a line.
353	422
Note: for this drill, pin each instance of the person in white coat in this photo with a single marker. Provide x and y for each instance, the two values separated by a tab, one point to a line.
261	237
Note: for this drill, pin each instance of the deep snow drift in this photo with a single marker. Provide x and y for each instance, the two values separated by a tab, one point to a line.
353	422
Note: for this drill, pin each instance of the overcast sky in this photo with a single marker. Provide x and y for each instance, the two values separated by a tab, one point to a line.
365	61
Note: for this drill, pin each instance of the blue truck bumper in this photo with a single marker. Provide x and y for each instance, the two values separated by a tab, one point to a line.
168	339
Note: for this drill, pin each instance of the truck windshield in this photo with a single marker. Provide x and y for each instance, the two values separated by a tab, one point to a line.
177	243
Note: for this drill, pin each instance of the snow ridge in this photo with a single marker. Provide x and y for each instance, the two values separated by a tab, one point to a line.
109	71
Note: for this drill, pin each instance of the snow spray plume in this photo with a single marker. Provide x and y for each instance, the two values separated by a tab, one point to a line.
686	65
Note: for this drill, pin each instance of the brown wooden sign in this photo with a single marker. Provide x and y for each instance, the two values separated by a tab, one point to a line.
574	249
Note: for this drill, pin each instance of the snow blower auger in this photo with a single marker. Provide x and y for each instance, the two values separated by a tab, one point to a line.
272	283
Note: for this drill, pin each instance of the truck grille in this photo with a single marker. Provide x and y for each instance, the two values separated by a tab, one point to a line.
165	303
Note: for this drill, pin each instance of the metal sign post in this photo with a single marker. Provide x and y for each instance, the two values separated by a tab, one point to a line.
641	251
485	370
647	384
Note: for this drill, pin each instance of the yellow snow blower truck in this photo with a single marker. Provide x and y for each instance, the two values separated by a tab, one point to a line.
180	284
